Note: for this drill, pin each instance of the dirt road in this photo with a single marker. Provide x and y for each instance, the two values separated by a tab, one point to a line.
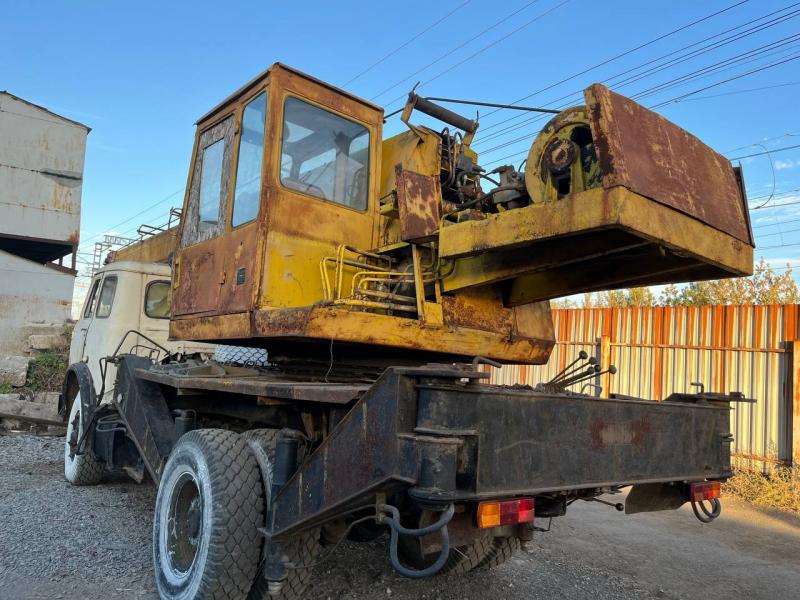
57	541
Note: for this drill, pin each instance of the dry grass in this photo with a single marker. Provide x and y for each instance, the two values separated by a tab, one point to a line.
780	489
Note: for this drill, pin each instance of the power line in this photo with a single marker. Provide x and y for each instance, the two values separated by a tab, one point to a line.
672	83
713	85
736	92
456	48
132	217
779	246
748	56
487	47
703	50
775	225
765	152
406	43
772	139
625	53
775	205
763	235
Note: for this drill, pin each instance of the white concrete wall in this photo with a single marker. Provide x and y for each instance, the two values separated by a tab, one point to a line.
41	172
33	299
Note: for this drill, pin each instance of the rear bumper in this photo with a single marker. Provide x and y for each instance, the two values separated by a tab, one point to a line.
426	431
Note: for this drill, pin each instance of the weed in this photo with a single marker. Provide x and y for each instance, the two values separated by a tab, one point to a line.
779	489
46	372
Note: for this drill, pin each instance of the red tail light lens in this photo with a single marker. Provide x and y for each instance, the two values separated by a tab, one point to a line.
707	490
505	512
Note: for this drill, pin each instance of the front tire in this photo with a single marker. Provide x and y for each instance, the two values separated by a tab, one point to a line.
79	469
208	510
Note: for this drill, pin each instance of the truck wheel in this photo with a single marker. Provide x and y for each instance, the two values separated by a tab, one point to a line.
301	550
79	469
462	559
208	511
501	550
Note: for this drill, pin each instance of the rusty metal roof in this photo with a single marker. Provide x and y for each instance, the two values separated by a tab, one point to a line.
264	74
42	108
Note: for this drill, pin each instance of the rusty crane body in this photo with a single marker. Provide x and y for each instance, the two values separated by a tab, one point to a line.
379	274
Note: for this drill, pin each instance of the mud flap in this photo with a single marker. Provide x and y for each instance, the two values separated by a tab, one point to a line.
650	497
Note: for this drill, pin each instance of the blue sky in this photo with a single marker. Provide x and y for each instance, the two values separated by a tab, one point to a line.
140	73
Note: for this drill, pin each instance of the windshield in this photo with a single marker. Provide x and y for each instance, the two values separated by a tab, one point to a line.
324	155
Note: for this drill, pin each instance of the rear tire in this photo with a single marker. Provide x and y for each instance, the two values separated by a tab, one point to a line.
79	469
501	550
301	550
461	559
208	510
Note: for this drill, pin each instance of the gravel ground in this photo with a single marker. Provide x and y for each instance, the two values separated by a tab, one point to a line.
58	541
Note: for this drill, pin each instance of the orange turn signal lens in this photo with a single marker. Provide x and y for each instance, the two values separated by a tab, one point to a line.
505	512
488	514
707	490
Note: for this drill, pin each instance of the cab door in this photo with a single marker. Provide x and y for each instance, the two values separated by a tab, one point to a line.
199	266
240	262
101	332
77	345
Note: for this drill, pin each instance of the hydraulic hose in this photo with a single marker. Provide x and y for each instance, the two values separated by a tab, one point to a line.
707	515
393	521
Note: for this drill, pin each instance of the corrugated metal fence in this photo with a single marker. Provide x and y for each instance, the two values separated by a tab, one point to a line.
661	350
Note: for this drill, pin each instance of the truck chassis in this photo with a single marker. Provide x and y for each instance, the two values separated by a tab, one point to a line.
417	450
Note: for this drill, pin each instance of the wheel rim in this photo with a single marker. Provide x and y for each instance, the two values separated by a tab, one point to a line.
73	429
183	530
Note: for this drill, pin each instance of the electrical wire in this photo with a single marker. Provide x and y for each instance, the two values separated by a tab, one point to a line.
578	95
713	85
132	217
485	48
663	87
406	43
765	151
625	53
674	82
772	169
456	48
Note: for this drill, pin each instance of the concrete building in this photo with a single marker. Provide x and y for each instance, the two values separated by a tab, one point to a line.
41	178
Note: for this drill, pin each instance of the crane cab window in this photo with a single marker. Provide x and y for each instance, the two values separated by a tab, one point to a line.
324	155
211	185
208	194
247	194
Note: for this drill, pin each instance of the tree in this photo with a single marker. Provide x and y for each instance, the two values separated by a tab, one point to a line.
765	286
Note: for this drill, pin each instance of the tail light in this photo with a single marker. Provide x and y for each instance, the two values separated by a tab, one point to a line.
707	490
506	512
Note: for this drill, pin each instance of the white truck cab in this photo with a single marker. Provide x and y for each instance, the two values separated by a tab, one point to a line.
125	296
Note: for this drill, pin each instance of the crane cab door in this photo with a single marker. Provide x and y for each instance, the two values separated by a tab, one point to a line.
216	261
322	187
198	274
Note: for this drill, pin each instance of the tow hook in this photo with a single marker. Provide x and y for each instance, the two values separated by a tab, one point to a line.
389	515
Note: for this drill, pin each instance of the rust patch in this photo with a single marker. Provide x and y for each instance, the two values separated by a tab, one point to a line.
645	153
632	433
478	309
198	280
419	200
